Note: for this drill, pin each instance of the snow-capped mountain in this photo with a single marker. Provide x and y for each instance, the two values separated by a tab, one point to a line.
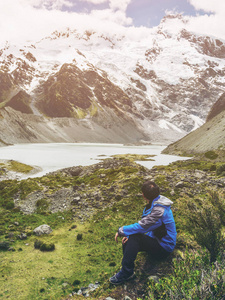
158	88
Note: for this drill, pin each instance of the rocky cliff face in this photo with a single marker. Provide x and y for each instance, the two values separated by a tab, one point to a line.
75	93
158	88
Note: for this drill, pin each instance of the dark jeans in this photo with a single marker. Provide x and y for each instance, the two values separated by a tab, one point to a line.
137	243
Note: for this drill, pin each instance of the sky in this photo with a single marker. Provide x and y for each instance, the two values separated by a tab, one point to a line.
31	20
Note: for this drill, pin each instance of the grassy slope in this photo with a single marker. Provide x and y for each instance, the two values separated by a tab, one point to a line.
26	273
32	274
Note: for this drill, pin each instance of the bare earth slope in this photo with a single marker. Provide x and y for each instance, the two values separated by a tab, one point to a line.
210	136
26	128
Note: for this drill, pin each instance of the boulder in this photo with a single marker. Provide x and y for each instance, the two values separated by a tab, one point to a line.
42	229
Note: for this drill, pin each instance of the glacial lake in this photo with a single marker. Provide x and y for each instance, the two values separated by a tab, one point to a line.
55	156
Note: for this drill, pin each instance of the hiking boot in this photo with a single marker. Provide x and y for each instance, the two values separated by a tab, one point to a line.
119	278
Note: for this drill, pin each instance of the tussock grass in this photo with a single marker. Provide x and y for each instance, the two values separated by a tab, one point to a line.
28	273
32	274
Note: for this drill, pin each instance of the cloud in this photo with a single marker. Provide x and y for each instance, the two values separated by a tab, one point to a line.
31	20
119	5
115	13
212	23
20	21
47	4
113	4
95	1
117	17
214	6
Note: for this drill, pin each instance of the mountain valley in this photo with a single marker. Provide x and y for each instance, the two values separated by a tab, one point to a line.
86	86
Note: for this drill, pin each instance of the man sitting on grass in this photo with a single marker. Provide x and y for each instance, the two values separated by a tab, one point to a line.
155	233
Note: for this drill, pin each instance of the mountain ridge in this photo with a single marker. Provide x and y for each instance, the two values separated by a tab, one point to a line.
165	82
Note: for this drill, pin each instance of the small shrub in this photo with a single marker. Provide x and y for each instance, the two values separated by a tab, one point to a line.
204	219
211	155
28	186
192	277
79	236
4	246
7	203
42	206
221	170
44	246
76	282
73	226
213	168
47	247
10	205
8	188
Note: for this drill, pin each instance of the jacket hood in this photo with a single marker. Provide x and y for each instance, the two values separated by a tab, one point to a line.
163	201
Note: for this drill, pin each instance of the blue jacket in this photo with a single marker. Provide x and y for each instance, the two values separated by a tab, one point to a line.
157	222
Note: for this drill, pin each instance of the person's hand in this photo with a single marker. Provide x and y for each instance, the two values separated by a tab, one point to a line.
124	240
116	237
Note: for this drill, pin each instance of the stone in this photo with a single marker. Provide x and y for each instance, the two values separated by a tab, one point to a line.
179	185
75	171
22	236
75	200
42	229
12	249
10	235
84	291
200	174
154	278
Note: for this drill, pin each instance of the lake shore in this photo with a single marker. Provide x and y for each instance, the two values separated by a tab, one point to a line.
10	170
46	158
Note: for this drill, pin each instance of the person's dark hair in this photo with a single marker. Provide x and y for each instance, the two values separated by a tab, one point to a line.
150	190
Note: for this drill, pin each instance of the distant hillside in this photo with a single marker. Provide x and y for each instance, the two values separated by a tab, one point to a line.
217	108
210	136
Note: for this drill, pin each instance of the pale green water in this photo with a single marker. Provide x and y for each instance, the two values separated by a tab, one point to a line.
55	156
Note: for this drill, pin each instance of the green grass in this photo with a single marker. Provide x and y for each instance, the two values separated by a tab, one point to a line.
16	166
28	273
134	157
32	274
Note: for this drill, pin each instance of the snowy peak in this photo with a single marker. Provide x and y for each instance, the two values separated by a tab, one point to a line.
205	45
166	81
